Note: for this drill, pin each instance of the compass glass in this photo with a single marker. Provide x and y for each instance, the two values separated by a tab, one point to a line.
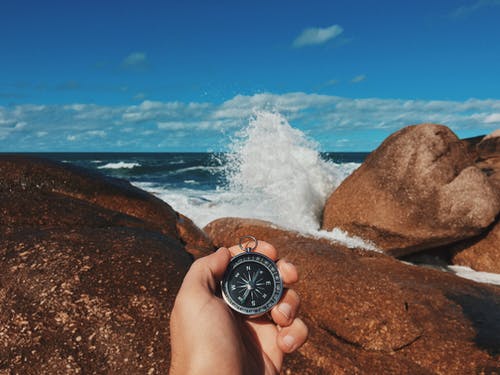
252	284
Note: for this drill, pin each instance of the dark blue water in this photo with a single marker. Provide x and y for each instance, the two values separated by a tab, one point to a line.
205	171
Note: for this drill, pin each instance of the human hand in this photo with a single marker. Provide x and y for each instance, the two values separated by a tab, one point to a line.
207	337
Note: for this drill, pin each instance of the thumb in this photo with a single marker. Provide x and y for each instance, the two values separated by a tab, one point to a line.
208	271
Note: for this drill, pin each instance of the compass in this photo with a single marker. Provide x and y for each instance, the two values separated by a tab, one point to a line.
252	284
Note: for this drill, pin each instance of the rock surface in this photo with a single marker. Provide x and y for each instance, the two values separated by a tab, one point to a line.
488	160
369	313
482	254
418	190
489	145
89	269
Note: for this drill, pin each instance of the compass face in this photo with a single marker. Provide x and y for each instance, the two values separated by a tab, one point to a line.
252	284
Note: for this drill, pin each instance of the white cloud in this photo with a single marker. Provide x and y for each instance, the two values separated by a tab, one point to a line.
466	10
136	60
359	78
139	96
317	35
492	119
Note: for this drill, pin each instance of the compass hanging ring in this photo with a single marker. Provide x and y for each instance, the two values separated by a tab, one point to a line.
252	284
248	248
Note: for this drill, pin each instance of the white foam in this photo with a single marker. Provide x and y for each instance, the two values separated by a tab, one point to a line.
278	173
480	277
342	237
197	168
119	165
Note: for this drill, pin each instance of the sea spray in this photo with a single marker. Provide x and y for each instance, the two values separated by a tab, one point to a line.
278	173
272	172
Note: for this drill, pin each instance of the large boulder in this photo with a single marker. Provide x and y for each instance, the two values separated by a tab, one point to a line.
418	190
89	270
369	313
38	192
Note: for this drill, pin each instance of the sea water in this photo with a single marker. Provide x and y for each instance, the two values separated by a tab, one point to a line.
271	171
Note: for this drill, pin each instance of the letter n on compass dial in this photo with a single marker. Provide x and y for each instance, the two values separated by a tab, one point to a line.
252	284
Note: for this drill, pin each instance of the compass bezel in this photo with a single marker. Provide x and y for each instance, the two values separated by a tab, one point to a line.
269	265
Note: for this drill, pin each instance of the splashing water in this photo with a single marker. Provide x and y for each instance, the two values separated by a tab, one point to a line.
280	173
274	172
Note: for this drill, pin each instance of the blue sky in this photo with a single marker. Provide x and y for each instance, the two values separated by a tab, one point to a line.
185	76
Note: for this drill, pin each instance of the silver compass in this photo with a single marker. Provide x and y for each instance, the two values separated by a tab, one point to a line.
252	284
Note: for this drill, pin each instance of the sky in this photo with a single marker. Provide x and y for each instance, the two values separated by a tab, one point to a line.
165	76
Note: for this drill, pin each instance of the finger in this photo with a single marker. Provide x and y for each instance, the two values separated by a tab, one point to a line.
293	337
263	247
286	310
207	271
266	333
288	272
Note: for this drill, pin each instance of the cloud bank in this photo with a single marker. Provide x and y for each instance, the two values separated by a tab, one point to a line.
360	124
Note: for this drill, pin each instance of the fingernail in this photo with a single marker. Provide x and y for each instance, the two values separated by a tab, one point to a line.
285	309
289	341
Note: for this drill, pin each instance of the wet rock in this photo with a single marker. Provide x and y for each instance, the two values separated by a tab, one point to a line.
370	313
418	190
89	269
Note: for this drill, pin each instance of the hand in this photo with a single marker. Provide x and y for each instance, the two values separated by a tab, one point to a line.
207	337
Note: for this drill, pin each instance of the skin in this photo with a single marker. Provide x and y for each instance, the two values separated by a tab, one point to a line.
207	337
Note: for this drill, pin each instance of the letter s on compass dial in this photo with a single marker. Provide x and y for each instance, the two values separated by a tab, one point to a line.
252	284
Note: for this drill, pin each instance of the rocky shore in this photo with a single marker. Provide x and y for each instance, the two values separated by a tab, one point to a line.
90	266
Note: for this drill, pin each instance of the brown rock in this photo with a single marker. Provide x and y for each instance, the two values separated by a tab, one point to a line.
470	145
196	241
418	190
89	269
489	145
371	314
480	254
489	158
43	177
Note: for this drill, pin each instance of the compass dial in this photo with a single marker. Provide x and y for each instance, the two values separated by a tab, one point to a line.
252	284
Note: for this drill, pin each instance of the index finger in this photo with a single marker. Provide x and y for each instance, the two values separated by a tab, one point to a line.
263	247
